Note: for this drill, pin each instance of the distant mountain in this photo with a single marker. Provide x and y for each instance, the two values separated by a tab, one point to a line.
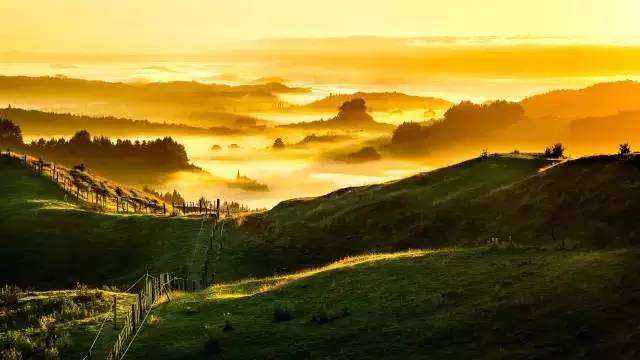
40	123
352	115
381	101
597	100
167	101
606	131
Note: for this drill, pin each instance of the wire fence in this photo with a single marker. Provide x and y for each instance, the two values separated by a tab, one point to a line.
151	290
99	195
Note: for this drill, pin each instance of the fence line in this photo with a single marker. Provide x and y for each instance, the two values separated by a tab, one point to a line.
152	290
100	199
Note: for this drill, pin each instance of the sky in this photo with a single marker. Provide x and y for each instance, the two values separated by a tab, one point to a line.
152	26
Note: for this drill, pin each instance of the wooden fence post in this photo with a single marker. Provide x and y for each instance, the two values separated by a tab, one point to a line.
133	316
115	312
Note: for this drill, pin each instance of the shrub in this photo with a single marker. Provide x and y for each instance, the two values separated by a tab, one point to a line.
11	354
10	294
51	353
484	154
282	312
154	320
320	316
212	340
227	326
324	315
624	149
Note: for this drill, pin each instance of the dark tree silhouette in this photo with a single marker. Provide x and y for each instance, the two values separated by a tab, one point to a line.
10	134
161	154
278	144
407	133
556	151
624	149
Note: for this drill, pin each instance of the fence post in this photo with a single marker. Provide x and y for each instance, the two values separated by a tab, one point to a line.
115	312
133	317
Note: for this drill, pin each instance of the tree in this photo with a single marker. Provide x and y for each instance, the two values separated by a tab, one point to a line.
556	151
625	149
81	139
278	144
408	133
10	134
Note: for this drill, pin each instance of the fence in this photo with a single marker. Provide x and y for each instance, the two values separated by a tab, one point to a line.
97	197
150	292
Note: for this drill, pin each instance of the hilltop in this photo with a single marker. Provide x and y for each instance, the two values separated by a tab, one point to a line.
596	100
352	115
381	101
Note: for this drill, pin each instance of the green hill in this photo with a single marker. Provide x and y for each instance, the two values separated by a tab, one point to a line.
446	304
587	202
49	241
422	210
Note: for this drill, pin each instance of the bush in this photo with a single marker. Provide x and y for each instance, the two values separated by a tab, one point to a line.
212	340
11	354
324	315
320	316
624	149
228	325
556	151
10	294
282	312
154	320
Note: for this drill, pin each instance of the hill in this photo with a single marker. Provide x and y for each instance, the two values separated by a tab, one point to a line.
446	304
606	132
58	324
587	202
381	101
597	100
163	101
352	116
50	241
34	122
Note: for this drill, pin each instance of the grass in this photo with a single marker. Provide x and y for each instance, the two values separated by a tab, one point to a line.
61	324
587	201
444	304
48	241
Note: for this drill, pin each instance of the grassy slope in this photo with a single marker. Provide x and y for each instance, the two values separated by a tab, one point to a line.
590	200
75	313
446	304
48	242
413	212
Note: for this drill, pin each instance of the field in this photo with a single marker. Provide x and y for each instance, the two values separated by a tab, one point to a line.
510	303
459	262
60	323
49	241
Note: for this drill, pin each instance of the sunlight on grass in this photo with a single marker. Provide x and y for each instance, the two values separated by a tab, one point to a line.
54	204
250	287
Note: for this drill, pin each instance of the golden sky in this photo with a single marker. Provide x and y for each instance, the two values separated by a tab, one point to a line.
134	26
